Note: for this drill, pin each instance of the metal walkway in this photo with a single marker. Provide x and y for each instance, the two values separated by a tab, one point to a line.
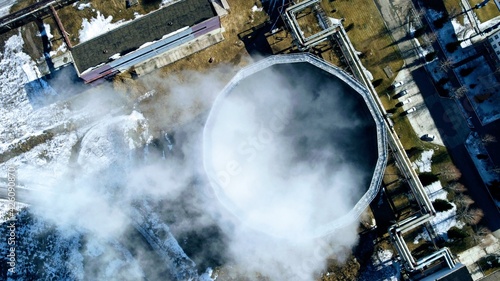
31	13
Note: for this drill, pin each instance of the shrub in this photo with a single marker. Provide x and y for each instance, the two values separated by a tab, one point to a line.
443	81
377	82
440	22
349	27
414	151
482	97
452	46
490	261
442	205
494	188
481	156
427	178
456	233
430	56
466	71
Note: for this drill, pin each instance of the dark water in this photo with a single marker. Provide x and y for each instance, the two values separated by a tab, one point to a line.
328	115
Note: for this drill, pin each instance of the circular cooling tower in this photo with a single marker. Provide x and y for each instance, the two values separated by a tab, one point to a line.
295	147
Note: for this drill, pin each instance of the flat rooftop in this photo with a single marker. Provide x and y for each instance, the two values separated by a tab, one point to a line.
148	28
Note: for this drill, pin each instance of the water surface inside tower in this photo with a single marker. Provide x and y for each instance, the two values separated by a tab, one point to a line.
290	148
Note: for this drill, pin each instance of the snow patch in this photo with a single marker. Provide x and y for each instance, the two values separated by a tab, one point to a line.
46	28
61	49
482	89
442	221
83	6
424	163
115	56
207	276
31	72
167	2
256	9
5	7
485	167
383	267
97	26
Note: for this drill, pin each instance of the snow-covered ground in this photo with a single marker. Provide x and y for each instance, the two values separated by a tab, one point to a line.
443	221
475	147
485	167
446	35
424	163
382	268
463	32
5	6
100	137
18	119
482	87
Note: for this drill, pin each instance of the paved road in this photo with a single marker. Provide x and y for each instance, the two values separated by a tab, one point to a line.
447	115
395	13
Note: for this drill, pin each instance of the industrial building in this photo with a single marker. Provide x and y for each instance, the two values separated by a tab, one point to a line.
494	40
150	42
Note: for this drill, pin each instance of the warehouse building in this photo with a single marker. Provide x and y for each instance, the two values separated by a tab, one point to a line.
150	42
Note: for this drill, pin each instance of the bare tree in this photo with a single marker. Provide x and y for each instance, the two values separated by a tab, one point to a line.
420	12
446	65
495	169
451	173
463	201
431	37
457	187
480	234
471	216
453	11
487	139
460	92
497	70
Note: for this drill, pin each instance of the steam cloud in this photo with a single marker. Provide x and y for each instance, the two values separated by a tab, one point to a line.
270	157
286	154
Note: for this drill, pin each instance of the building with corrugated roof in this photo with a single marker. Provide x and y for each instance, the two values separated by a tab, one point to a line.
171	33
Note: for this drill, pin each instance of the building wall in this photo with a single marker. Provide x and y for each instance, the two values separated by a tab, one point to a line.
494	40
179	52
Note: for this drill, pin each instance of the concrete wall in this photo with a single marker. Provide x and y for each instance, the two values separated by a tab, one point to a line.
179	52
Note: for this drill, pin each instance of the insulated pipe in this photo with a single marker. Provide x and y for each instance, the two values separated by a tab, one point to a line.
413	224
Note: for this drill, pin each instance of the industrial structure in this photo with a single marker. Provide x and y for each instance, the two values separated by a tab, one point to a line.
333	31
381	132
144	44
149	42
31	13
293	13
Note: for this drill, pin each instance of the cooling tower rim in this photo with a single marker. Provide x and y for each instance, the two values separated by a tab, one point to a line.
381	130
